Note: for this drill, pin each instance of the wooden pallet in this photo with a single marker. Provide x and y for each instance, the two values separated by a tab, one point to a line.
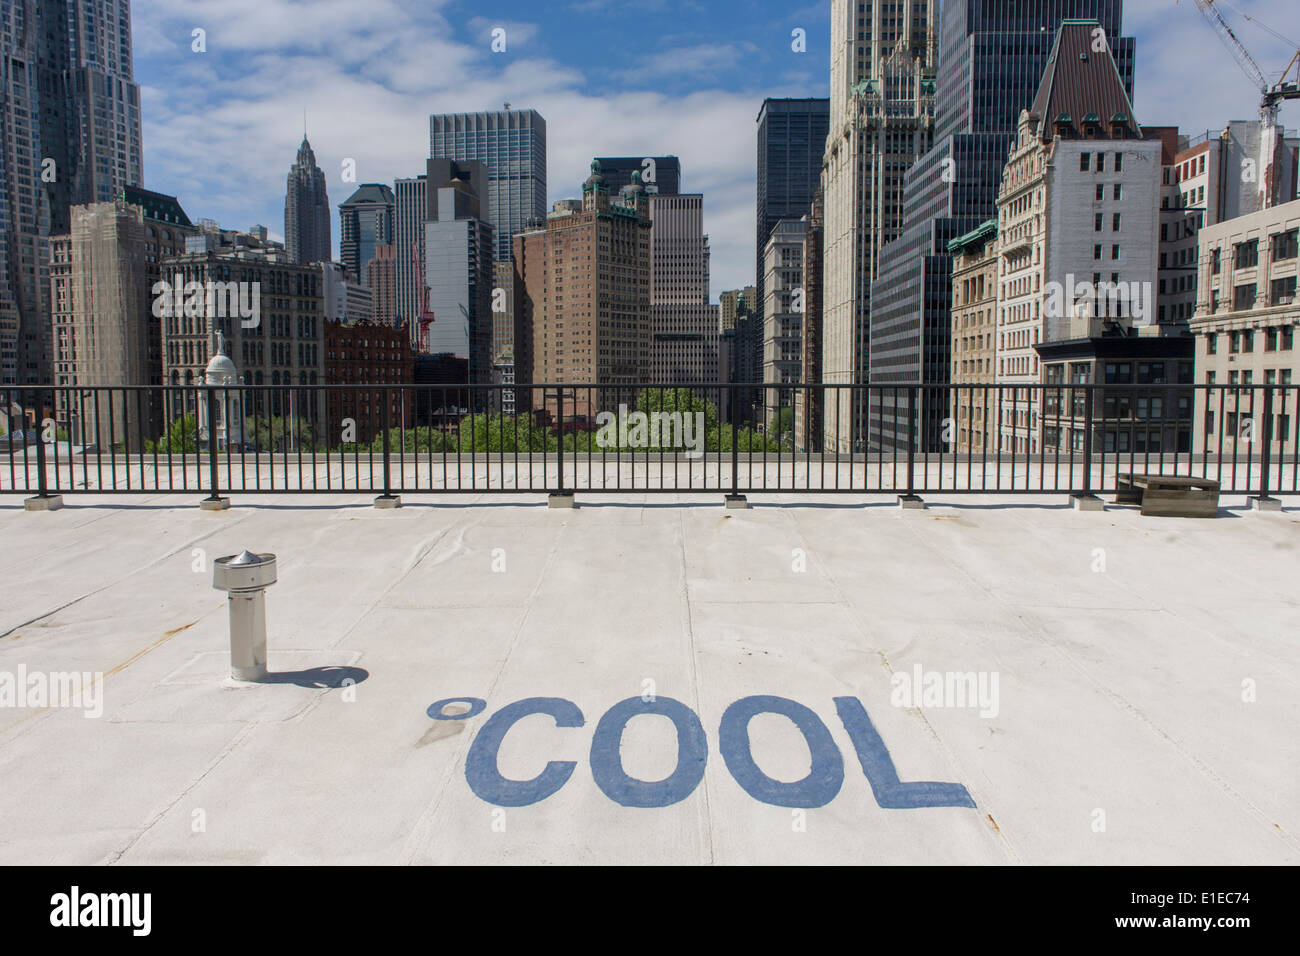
1174	496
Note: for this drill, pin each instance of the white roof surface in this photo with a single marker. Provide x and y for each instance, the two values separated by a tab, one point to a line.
1147	674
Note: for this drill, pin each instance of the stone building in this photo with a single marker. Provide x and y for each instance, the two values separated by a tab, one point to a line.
582	300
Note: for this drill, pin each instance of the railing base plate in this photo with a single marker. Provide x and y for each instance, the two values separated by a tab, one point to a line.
737	501
44	503
388	501
560	501
214	504
1087	503
1260	503
911	502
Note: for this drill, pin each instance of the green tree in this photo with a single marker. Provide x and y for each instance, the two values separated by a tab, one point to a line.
277	433
782	431
181	437
669	400
745	439
503	433
422	439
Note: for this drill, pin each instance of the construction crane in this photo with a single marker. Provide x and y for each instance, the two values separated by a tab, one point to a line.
1272	95
426	315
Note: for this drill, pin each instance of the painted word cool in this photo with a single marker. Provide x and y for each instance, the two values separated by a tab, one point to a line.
818	788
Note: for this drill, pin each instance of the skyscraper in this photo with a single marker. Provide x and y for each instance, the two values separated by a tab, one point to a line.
458	246
728	305
783	318
582	315
882	107
411	210
791	140
512	143
992	57
69	133
684	326
381	277
365	224
307	210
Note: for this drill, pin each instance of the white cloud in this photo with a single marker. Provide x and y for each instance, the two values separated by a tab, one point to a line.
694	61
1186	76
222	128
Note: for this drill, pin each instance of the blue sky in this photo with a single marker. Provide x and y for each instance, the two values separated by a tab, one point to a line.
651	77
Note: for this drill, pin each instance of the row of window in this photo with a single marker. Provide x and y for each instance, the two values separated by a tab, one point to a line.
1276	338
1086	162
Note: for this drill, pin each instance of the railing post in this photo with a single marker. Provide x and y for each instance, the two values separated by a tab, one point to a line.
1262	501
43	501
560	498
910	500
214	501
1087	501
387	500
735	499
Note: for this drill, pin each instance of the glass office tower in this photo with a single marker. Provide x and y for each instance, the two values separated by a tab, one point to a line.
791	140
512	143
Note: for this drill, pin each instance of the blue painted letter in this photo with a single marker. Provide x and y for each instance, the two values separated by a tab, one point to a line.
481	765
815	790
607	762
890	792
476	707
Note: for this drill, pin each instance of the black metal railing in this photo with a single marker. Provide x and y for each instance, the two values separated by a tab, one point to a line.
733	439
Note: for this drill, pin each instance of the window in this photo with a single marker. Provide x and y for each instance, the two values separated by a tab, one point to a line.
1151	373
1246	254
1286	245
1101	192
1212	343
1270	340
1096	222
1096	251
1085	160
1114	251
1248	340
1119	191
1282	291
1216	261
1243	297
1119	162
1287	337
1119	373
1101	162
1114	222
